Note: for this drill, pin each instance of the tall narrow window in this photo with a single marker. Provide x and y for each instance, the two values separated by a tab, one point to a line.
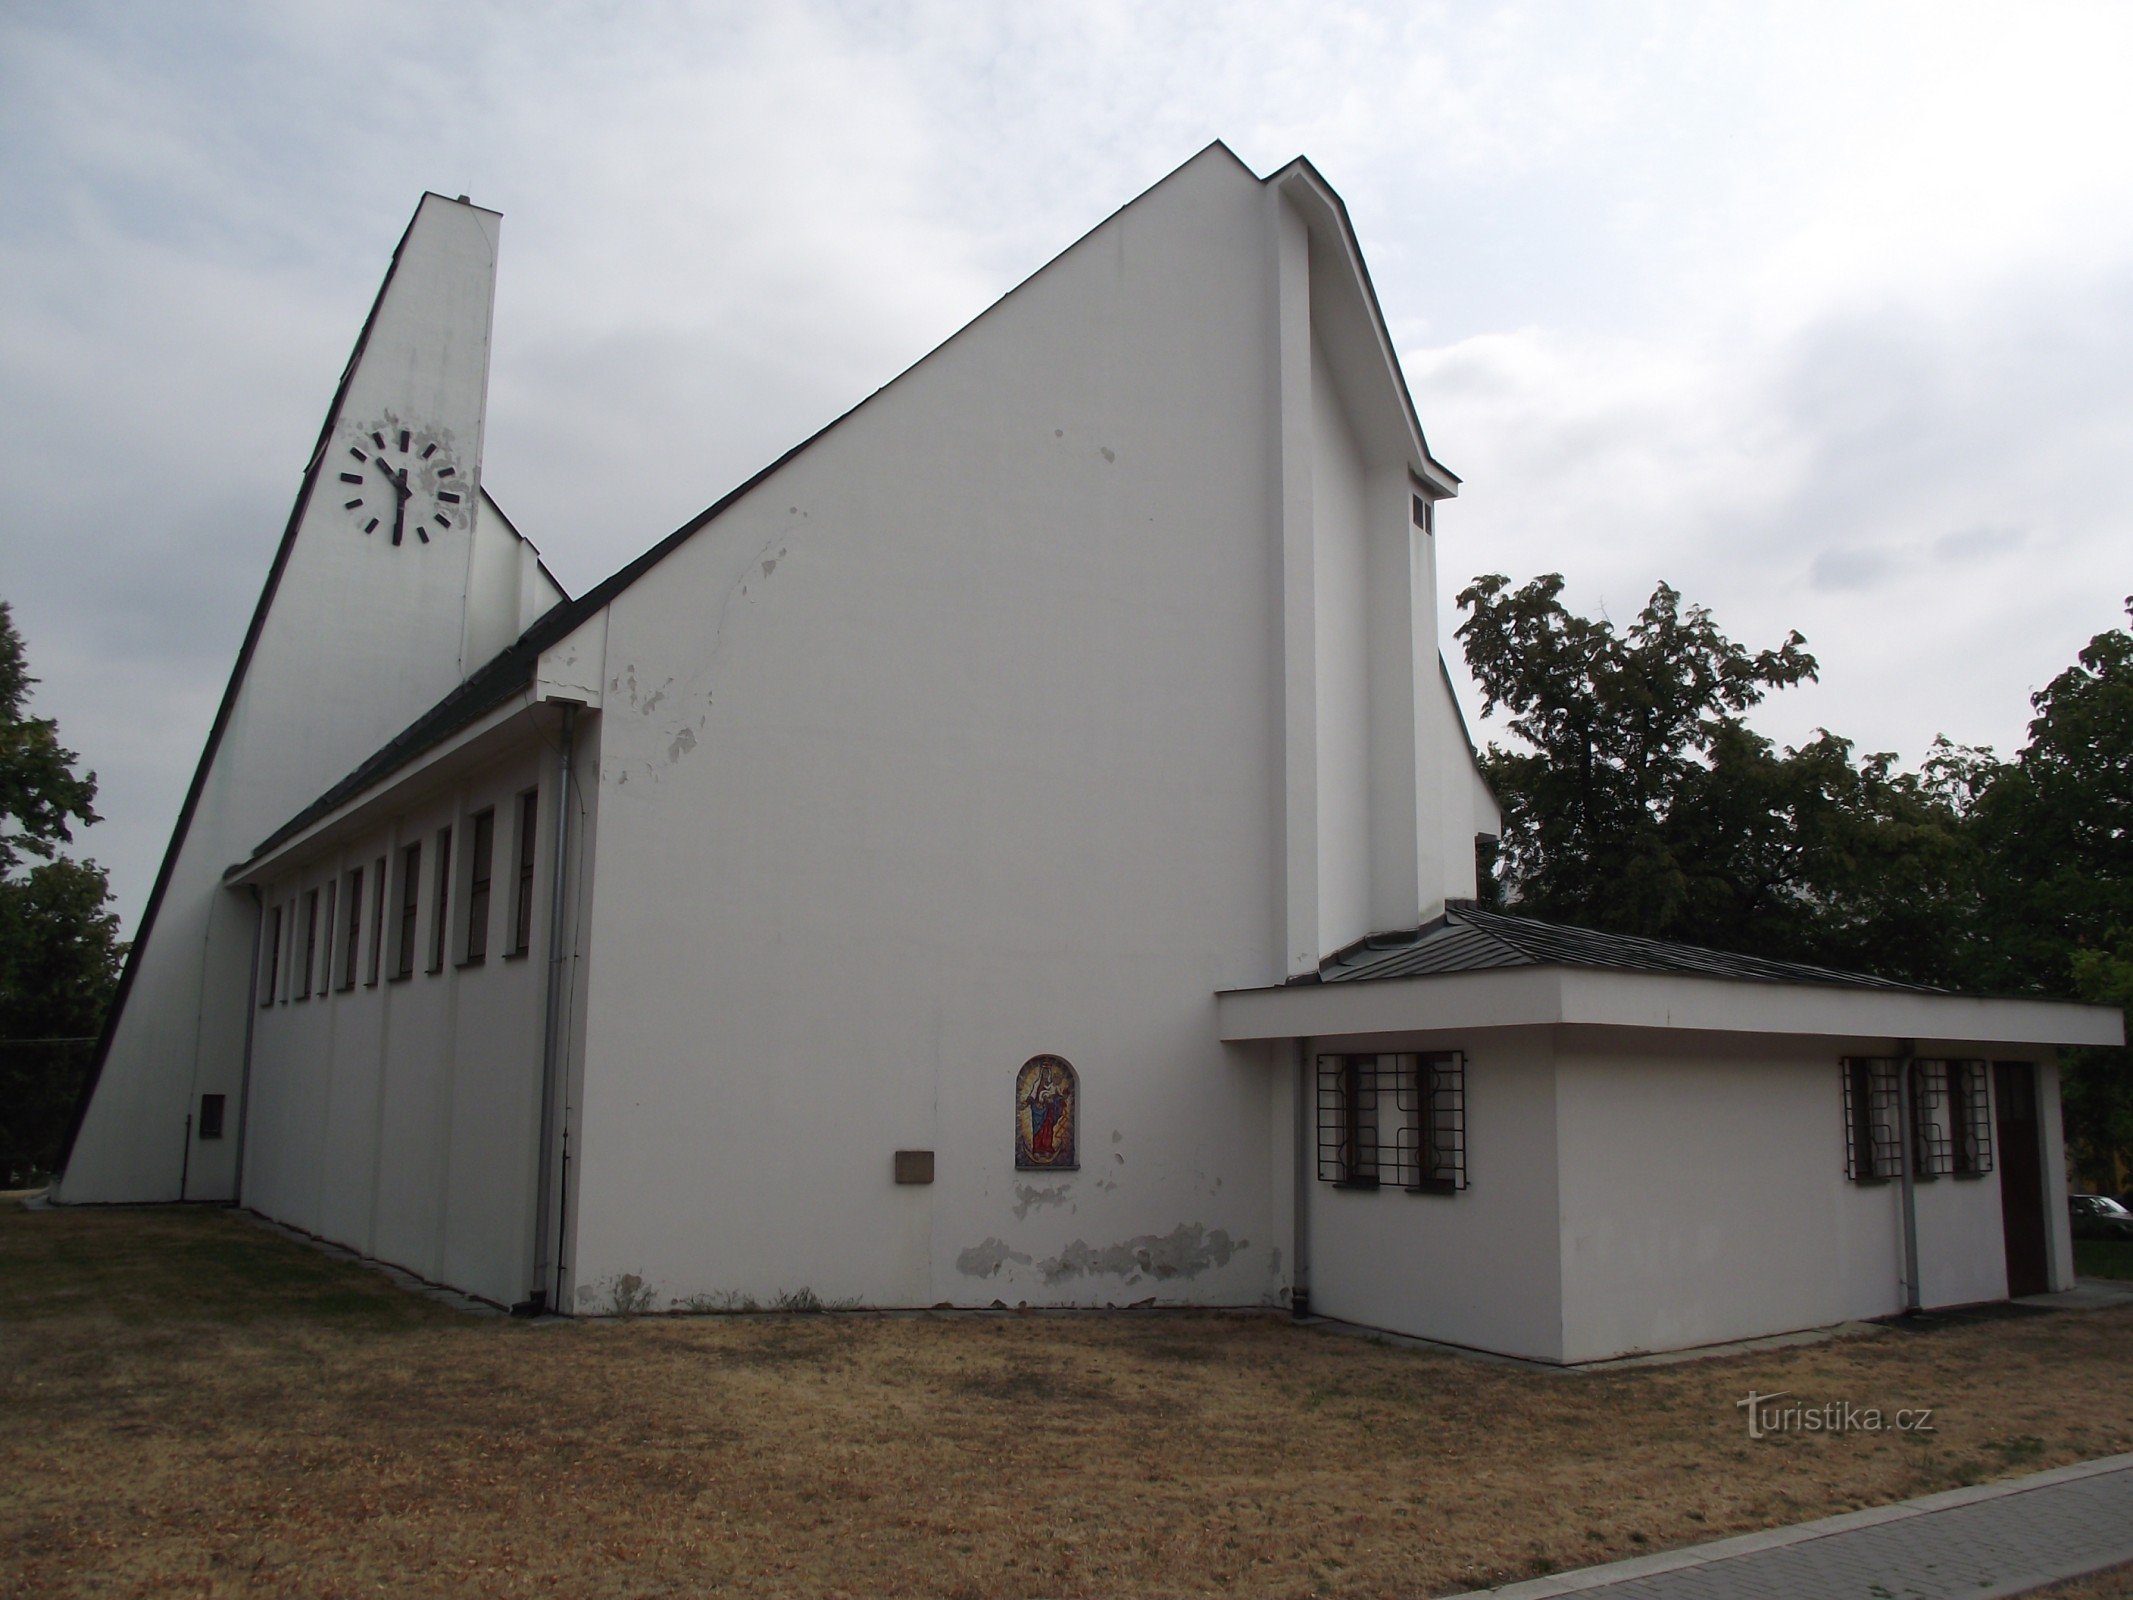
1931	1148
352	935
377	921
410	903
270	952
1973	1118
303	988
529	816
439	928
325	941
480	848
1873	1140
211	1108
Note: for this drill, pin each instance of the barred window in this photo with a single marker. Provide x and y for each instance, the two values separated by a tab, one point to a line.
1393	1120
1971	1100
1873	1149
1932	1147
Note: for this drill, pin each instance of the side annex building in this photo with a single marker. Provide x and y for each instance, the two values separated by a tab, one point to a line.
1018	848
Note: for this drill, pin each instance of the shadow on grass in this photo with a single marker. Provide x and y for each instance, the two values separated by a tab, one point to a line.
185	1264
2103	1258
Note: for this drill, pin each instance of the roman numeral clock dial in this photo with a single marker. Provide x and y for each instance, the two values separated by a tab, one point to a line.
399	480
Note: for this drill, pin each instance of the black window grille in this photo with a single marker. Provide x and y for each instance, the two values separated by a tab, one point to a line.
1932	1146
1393	1120
1972	1118
1873	1148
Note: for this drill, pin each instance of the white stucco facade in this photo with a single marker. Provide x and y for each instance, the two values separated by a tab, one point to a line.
1078	695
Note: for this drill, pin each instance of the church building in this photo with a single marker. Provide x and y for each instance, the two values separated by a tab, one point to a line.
1018	848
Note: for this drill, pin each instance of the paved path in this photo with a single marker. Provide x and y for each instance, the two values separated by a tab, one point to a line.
2000	1539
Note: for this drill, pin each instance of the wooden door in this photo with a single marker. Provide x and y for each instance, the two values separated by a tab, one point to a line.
2021	1178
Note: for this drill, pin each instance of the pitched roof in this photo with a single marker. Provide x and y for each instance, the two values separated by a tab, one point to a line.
1467	939
512	670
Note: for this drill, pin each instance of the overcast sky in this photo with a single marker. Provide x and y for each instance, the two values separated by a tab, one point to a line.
1822	313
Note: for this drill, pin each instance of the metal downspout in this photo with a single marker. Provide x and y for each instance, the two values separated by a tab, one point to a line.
251	1017
548	1219
1912	1301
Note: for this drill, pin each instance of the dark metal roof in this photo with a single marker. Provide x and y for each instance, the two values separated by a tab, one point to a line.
1466	939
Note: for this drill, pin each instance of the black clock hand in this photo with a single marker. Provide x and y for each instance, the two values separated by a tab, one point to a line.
397	479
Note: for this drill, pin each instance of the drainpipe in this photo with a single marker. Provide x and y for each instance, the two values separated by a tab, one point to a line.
548	1217
1302	1171
1905	1049
251	1015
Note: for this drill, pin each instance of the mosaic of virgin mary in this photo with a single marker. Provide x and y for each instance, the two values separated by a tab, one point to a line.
1047	1114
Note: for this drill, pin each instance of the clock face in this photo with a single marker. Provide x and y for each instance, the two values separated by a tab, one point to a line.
398	480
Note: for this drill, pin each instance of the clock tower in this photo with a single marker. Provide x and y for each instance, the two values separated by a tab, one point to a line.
394	579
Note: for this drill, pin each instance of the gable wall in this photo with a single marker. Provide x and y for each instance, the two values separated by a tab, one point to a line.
947	746
356	638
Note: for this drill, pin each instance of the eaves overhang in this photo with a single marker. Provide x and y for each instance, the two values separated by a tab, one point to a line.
479	741
1325	213
1543	996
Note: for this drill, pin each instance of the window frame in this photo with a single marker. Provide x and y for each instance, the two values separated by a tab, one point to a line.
481	874
300	989
441	901
211	1126
407	925
377	924
1425	1092
352	927
270	956
527	856
1873	1118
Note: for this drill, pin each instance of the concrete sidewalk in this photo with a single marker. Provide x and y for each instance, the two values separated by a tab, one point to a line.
1998	1539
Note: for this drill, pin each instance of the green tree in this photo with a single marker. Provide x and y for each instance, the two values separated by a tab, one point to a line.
59	947
2056	831
1643	803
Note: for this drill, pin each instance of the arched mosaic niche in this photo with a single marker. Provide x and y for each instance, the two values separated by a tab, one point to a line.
1047	1115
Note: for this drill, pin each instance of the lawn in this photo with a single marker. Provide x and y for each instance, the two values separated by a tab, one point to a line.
2103	1258
197	1406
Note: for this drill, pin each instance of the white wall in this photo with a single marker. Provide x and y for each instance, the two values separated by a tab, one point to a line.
1479	1268
947	746
1705	1199
400	1117
358	638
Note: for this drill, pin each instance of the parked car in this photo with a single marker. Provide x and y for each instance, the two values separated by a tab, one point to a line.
2097	1216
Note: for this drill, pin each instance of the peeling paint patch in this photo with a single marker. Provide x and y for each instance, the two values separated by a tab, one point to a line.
684	742
983	1260
770	566
1108	453
1116	1136
1031	1198
1184	1252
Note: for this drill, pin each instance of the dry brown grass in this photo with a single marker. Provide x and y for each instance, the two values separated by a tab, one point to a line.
194	1406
